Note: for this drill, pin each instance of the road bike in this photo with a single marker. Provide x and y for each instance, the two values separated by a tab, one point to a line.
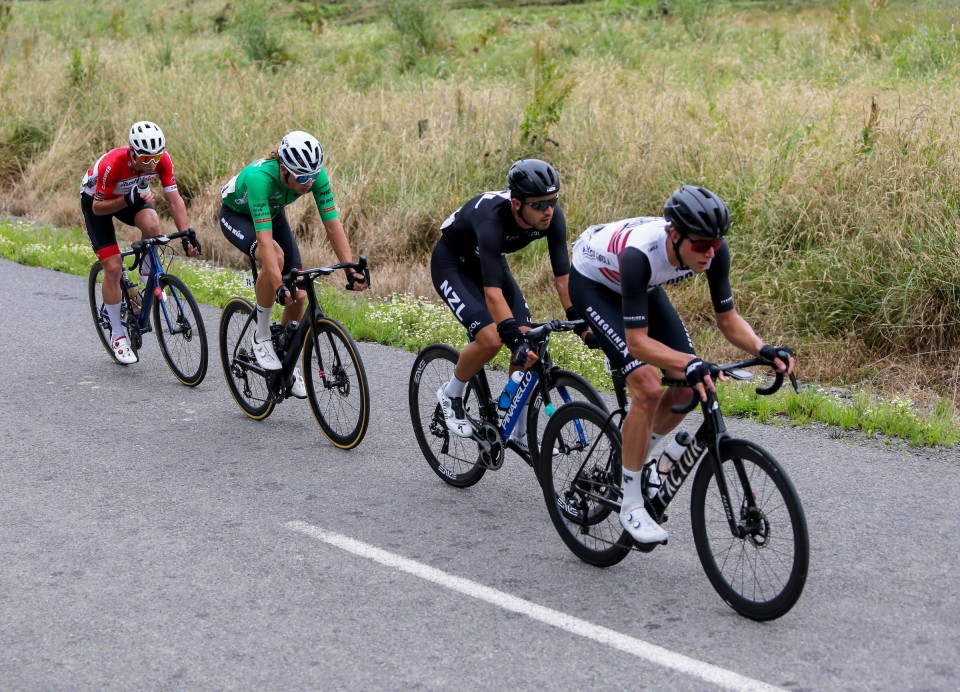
333	371
461	461
176	318
748	523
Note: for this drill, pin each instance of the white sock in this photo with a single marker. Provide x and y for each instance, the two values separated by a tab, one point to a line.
263	323
455	387
116	328
632	495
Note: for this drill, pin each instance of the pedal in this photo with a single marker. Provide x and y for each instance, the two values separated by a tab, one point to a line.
648	547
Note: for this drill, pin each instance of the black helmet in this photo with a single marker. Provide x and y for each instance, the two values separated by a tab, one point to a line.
696	210
532	178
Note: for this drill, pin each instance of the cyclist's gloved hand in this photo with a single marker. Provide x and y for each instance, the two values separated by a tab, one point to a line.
132	198
769	352
511	335
191	241
519	355
283	295
353	278
696	371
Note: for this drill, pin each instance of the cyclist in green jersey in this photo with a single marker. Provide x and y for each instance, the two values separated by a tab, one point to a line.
252	217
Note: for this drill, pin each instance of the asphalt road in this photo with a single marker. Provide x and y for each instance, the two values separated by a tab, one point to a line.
154	537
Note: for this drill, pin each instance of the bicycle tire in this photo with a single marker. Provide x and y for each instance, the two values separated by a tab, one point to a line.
336	384
565	387
185	349
585	471
100	321
248	388
432	369
731	562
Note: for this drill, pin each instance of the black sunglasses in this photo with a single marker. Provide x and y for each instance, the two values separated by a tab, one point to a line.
542	205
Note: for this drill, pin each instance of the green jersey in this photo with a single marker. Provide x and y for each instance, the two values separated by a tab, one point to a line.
257	192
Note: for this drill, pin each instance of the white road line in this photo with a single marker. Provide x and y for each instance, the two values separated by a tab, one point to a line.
637	647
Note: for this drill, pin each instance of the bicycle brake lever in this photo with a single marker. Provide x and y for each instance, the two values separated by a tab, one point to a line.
793	381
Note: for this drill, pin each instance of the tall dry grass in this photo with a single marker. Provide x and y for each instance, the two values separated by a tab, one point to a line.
835	141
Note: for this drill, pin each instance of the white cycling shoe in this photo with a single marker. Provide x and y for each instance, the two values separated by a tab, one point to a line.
453	414
266	355
122	350
641	526
298	388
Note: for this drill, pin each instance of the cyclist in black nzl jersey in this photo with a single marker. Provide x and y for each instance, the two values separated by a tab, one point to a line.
618	273
470	272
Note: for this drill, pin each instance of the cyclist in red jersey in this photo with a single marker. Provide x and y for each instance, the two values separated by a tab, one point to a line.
118	186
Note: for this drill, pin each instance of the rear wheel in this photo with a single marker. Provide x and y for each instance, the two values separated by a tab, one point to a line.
336	383
100	320
581	482
249	389
452	458
761	572
180	331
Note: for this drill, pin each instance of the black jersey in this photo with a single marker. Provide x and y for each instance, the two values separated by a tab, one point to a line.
484	229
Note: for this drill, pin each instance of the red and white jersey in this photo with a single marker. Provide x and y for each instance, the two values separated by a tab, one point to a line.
597	252
113	175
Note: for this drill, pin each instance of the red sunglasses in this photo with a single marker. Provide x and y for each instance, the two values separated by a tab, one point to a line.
702	246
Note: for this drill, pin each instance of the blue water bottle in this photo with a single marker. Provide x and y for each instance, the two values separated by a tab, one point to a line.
510	389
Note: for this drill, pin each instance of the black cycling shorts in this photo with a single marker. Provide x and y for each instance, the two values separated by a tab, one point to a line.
239	230
602	309
100	230
460	284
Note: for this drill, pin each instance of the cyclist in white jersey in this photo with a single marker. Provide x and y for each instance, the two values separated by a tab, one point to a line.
616	283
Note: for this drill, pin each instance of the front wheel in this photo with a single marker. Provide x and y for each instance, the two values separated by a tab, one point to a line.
336	383
180	331
249	389
761	571
579	468
452	458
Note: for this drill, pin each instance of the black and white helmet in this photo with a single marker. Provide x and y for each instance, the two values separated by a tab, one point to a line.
147	139
300	153
532	178
696	210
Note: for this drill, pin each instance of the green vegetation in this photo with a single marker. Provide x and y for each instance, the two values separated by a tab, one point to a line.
401	320
830	127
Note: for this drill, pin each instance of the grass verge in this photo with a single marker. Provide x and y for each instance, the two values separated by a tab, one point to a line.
406	322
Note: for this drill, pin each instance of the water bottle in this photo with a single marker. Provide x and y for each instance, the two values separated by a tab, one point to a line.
673	451
510	389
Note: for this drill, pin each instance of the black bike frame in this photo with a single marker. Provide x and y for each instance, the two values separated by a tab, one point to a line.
706	442
298	279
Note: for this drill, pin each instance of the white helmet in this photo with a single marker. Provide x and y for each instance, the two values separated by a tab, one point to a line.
300	153
146	138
